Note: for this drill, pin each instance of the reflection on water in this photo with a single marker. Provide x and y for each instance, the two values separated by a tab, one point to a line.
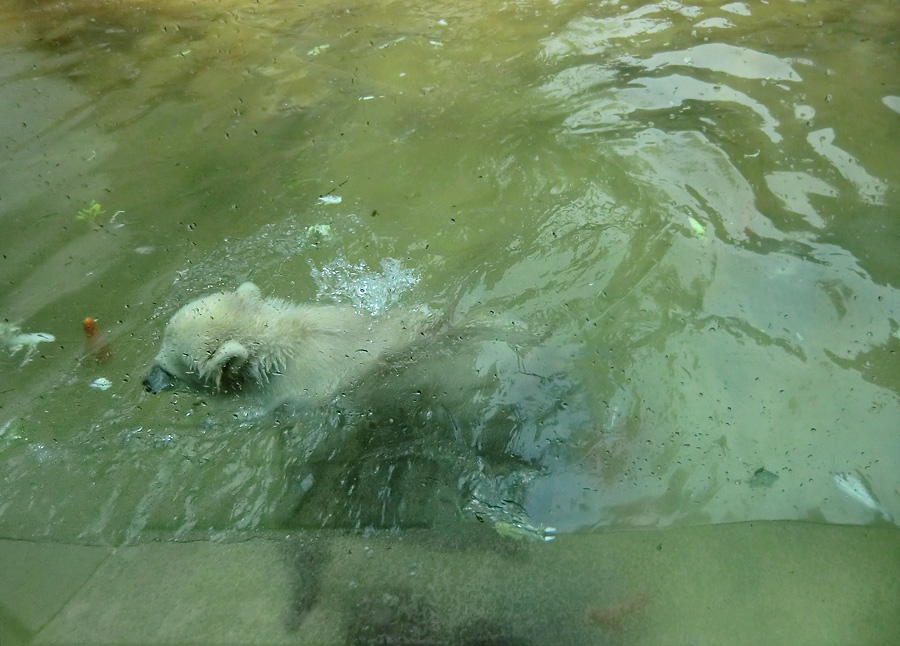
672	223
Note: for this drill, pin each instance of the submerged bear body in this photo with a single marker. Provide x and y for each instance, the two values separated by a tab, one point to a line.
397	420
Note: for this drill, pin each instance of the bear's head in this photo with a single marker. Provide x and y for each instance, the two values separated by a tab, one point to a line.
208	343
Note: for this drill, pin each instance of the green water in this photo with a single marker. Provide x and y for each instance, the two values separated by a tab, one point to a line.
681	219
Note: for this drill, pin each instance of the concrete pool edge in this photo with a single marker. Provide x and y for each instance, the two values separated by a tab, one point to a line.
747	582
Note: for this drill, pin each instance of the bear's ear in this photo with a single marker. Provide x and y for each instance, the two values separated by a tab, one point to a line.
225	365
249	291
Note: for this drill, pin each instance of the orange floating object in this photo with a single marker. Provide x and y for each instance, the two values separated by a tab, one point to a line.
96	344
90	327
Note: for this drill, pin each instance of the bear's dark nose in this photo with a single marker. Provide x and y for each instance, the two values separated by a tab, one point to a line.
158	379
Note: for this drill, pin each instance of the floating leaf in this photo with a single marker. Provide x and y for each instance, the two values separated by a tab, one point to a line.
698	229
91	212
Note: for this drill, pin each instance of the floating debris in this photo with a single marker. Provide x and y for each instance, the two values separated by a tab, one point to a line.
523	531
95	343
318	233
698	229
853	485
762	478
399	39
101	383
330	199
90	213
13	339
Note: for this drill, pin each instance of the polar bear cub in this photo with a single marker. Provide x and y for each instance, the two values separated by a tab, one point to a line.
300	354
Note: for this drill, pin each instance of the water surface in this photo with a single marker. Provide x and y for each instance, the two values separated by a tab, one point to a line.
680	219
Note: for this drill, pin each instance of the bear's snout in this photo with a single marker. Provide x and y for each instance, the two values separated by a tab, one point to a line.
158	379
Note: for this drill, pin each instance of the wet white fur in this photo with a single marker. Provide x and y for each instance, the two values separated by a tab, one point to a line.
302	354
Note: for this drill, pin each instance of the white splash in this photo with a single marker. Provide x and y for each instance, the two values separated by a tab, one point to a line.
367	289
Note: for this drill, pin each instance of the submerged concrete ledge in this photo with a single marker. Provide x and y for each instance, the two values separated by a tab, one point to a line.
746	583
